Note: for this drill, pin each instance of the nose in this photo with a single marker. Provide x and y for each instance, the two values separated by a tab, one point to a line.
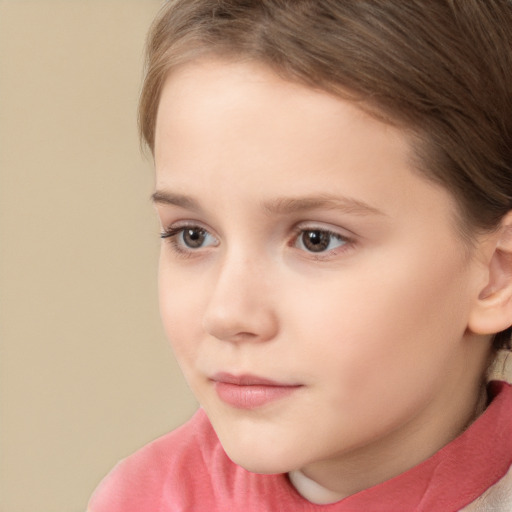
241	308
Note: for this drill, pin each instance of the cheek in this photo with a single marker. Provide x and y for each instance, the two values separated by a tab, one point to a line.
397	319
180	311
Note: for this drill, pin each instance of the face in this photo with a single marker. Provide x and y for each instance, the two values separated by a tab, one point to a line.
312	284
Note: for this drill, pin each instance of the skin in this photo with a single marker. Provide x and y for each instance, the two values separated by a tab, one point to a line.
374	329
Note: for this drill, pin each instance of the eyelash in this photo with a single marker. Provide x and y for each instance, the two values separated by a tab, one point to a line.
172	235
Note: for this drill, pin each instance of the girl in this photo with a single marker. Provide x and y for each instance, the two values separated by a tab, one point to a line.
334	185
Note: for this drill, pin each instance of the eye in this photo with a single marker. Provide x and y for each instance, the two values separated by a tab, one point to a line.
189	238
319	240
193	237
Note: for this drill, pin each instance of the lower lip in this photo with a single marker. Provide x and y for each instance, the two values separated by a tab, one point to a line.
251	397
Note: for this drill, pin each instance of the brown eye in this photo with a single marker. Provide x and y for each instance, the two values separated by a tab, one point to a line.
193	237
319	240
189	238
316	241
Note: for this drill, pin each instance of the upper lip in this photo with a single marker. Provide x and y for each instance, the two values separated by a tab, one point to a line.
248	380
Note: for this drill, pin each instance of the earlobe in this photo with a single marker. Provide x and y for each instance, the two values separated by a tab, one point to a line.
492	311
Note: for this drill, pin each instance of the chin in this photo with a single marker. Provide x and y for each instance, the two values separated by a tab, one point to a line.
258	464
259	442
258	459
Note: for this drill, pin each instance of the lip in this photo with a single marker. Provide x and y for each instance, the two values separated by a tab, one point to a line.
250	391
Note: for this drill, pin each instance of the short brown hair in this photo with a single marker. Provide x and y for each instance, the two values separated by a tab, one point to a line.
440	68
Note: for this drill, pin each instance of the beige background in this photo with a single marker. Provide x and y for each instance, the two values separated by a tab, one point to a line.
86	374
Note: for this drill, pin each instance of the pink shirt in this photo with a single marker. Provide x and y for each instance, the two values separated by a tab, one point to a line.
188	470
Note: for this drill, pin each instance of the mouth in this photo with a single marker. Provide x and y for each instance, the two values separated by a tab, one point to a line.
250	391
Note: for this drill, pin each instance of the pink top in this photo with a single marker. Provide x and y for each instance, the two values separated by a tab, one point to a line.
187	470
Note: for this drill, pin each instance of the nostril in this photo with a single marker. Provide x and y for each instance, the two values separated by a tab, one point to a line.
242	336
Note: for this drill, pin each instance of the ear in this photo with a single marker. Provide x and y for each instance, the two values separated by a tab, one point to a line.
492	310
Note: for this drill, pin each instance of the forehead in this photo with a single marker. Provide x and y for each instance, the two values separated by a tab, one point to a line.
223	124
225	102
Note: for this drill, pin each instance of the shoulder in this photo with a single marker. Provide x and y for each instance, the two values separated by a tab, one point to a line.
188	470
176	460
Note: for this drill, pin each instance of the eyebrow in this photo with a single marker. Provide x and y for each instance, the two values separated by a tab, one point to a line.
281	205
289	205
170	198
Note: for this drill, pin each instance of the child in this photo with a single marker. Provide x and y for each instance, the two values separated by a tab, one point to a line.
334	185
